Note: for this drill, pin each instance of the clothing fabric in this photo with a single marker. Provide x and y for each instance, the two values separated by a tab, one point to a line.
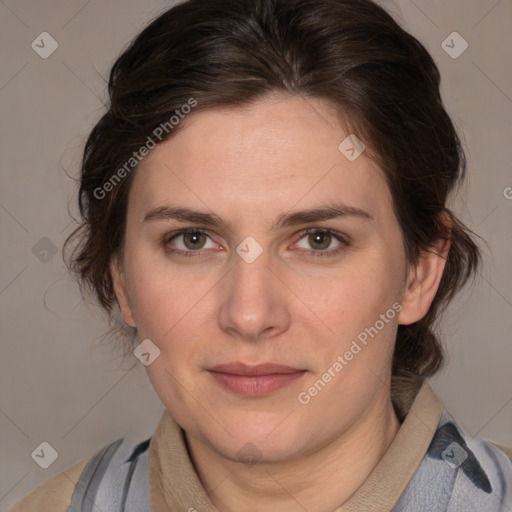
431	465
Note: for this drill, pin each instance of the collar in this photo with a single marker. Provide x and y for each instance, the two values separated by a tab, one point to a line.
174	484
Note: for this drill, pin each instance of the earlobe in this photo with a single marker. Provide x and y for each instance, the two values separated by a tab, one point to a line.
119	283
423	282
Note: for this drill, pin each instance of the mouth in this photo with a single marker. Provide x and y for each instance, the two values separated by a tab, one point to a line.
259	380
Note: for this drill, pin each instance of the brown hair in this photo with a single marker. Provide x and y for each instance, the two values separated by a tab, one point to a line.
230	52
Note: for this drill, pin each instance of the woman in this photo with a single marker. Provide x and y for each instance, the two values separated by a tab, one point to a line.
264	203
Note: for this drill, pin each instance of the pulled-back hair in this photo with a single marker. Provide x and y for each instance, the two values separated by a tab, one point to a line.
380	80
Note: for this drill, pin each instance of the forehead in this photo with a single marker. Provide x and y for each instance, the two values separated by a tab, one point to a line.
263	158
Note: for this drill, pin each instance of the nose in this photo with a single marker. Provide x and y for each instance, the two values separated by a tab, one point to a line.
254	303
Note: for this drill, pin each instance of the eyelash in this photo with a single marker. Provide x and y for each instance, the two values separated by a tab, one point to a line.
344	243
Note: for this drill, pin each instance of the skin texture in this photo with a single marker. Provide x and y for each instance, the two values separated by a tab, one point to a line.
249	165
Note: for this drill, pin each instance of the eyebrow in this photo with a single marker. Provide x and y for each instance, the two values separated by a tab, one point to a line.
320	213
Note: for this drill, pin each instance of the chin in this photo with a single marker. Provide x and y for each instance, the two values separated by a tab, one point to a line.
252	451
256	441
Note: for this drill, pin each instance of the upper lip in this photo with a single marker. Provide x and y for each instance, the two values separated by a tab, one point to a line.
259	369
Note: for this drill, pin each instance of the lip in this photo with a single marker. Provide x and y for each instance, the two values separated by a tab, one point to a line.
258	369
258	380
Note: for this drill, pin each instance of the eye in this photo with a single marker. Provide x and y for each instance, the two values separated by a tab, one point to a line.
191	241
187	241
321	239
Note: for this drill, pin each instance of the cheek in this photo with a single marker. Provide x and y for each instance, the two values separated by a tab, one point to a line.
162	304
168	303
355	298
154	296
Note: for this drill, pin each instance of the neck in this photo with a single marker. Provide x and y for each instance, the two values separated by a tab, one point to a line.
333	472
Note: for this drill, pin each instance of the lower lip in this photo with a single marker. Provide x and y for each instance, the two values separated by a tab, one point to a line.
256	385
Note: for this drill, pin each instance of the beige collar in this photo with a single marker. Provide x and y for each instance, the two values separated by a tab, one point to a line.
175	486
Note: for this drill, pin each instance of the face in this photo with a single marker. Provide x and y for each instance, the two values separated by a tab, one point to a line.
252	282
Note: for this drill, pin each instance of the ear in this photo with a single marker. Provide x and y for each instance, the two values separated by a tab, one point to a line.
424	278
118	279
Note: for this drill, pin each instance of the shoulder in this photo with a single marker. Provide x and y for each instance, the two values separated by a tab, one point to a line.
470	473
102	473
472	453
54	495
507	450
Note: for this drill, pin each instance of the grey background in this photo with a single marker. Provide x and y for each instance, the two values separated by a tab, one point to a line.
58	382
